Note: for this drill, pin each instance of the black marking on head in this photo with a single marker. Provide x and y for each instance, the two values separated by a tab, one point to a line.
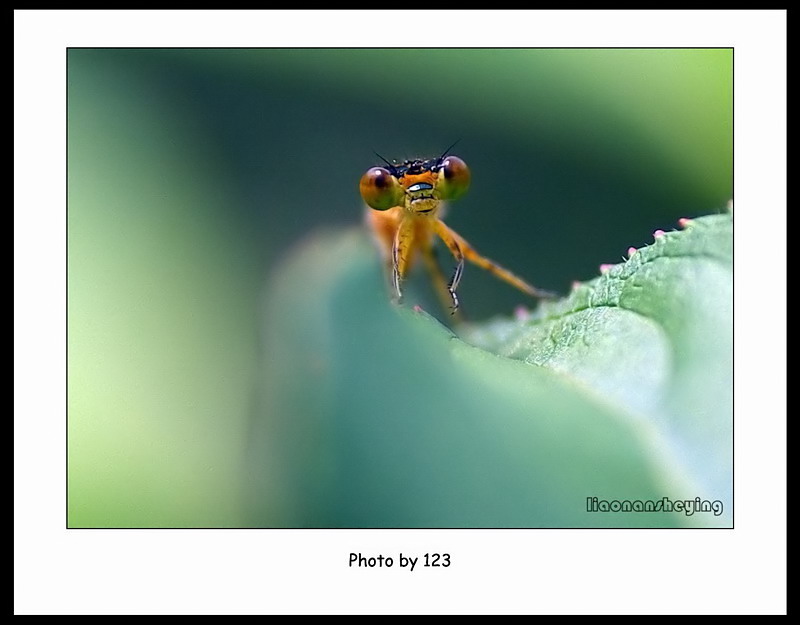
417	165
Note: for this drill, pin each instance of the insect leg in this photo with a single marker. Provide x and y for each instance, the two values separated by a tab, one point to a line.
402	249
492	267
438	278
452	243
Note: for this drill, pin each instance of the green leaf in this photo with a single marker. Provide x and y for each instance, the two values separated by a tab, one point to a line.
378	416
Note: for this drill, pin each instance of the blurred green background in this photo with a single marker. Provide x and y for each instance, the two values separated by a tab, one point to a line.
193	174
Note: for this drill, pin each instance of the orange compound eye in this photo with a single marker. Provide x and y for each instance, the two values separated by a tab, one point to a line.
380	189
453	179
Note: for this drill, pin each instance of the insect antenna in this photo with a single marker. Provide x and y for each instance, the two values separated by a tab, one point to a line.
445	153
392	168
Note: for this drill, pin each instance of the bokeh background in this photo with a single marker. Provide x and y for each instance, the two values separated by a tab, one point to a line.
194	173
